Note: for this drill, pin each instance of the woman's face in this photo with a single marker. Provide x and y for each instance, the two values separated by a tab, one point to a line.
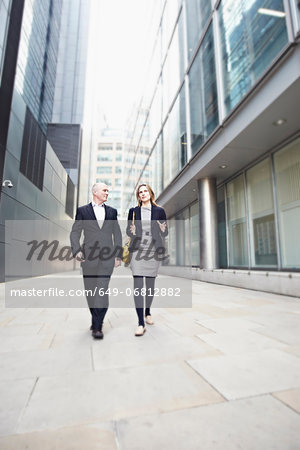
144	195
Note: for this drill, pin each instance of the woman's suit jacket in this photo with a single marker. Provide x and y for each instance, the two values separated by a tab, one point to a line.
157	213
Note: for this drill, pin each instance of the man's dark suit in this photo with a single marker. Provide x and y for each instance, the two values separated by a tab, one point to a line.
100	248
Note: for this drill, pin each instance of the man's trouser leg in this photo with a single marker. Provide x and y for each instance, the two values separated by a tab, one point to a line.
97	297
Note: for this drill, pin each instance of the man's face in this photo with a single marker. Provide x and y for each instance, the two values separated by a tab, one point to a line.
100	193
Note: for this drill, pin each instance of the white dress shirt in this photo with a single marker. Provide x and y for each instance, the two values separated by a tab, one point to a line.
99	211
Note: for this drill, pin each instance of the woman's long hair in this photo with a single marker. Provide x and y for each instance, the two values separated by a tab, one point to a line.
152	195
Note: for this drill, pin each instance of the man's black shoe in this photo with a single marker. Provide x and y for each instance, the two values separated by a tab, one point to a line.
97	334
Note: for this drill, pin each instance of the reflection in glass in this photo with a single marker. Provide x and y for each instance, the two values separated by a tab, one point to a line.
155	121
237	226
222	244
195	245
172	71
250	42
287	174
171	241
157	167
261	213
197	12
168	22
183	238
175	139
4	21
203	93
37	58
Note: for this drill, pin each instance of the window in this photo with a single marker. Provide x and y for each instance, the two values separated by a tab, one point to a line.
203	93
250	42
173	71
4	22
70	198
104	180
105	147
104	169
195	233
287	175
104	157
261	215
237	224
33	152
175	139
222	227
197	12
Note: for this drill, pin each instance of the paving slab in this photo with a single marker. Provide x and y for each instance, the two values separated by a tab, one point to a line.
92	437
229	324
243	375
249	424
11	343
19	365
289	335
113	394
223	374
139	352
14	396
240	341
290	398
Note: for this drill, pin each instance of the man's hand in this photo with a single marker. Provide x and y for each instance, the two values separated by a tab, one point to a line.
117	262
80	257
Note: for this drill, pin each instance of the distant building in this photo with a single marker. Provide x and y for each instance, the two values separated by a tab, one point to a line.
108	167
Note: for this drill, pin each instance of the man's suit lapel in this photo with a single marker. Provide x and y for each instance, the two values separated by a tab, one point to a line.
106	212
90	211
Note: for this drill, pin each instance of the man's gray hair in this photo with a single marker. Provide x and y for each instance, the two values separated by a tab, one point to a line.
95	185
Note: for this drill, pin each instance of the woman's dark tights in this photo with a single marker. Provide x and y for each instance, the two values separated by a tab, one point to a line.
138	283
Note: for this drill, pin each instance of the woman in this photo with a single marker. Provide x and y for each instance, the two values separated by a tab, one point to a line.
146	227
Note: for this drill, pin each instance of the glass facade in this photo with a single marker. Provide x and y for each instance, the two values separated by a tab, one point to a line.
37	60
185	53
5	6
175	140
203	93
197	12
222	242
287	176
251	39
205	62
261	215
183	239
237	223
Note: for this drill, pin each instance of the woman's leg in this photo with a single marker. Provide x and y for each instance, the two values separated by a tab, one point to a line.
150	282
139	298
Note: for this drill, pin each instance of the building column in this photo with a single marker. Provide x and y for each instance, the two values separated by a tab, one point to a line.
208	221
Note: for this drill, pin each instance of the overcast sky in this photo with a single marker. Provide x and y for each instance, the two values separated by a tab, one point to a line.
123	52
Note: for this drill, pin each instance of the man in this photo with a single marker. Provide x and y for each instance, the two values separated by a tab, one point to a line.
100	252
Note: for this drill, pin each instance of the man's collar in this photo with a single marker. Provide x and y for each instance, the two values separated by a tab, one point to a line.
95	204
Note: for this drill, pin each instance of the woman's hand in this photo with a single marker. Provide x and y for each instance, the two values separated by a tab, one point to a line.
162	226
132	229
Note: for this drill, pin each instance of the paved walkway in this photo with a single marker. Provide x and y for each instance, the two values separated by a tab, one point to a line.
224	374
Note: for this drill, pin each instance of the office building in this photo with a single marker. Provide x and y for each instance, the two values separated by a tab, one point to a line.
43	184
223	97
